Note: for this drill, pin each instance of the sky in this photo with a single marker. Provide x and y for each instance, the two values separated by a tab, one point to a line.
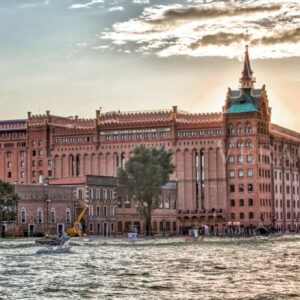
75	56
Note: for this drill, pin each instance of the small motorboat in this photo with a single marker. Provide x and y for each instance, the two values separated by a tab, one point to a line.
53	241
55	250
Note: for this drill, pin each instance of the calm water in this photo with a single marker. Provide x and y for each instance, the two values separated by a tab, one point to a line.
255	268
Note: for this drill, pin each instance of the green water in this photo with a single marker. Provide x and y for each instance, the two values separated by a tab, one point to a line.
254	268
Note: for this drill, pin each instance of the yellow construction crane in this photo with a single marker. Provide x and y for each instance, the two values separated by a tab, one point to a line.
81	193
76	230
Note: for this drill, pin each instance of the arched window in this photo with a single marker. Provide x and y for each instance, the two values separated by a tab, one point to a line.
251	215
249	143
232	202
250	202
68	215
250	187
239	128
230	129
72	165
232	216
122	160
77	171
240	144
242	216
52	215
241	202
40	215
248	128
23	215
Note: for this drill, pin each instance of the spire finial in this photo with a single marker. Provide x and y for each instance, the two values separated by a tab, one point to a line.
247	80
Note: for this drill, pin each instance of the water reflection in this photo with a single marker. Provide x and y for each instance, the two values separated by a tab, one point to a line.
255	268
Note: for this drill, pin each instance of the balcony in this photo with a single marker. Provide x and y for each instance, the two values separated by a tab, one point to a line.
201	214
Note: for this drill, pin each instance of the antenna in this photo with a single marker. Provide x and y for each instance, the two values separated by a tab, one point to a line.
247	37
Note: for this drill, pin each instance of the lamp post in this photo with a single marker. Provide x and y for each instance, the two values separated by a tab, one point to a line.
46	202
47	215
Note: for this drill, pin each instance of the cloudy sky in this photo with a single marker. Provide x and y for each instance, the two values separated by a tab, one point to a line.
74	56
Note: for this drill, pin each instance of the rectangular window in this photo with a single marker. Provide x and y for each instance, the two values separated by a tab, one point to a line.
231	159
231	145
91	210
241	173
231	173
250	173
249	158
98	194
104	194
240	159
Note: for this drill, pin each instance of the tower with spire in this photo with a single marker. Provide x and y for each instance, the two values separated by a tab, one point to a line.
247	80
246	99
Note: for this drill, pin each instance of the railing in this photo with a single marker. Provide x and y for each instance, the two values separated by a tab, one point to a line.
200	211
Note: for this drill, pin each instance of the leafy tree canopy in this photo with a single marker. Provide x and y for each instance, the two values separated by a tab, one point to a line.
8	200
144	175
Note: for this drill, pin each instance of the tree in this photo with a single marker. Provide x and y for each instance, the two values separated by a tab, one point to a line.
143	176
8	201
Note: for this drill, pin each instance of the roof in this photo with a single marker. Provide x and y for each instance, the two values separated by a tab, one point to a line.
243	101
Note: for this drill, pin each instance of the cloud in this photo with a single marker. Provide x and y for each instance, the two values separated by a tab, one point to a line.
211	11
116	8
102	47
141	1
213	29
85	5
222	38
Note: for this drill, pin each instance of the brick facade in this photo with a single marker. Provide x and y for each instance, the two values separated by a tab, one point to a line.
230	166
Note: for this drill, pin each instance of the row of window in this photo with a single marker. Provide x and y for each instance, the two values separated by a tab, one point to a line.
102	211
199	133
264	187
240	188
263	158
265	202
240	144
287	176
240	159
240	173
136	136
38	217
264	173
91	194
295	190
263	215
240	129
241	202
242	215
294	162
74	140
12	145
279	216
288	203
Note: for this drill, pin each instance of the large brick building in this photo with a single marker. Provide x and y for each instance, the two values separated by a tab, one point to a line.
233	165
